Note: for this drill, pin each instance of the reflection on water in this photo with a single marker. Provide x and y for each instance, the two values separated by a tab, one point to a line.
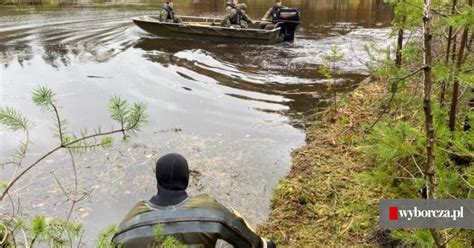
238	106
271	71
290	70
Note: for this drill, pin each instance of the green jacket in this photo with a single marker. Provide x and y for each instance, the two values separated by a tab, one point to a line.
167	15
236	17
229	6
197	222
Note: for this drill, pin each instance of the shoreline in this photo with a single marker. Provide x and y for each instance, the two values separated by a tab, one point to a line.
322	200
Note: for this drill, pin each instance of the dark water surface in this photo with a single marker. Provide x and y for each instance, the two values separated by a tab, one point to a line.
234	110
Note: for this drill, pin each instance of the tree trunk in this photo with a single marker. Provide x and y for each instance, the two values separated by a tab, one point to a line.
468	47
428	82
459	62
446	59
430	132
398	55
453	52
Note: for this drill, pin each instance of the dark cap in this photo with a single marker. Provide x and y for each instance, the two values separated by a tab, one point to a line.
172	172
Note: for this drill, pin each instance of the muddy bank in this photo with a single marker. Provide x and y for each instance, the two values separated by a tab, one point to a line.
322	202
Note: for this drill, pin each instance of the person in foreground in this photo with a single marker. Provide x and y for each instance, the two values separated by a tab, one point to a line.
237	16
272	13
197	221
167	13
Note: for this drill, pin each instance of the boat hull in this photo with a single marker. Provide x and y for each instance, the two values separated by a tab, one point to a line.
208	29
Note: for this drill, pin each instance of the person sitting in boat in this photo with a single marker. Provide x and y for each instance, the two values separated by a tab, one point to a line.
272	14
238	17
231	5
193	221
167	13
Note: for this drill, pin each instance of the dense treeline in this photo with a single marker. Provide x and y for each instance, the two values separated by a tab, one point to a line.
431	155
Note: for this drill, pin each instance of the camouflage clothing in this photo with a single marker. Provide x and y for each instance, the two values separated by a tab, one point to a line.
229	6
235	16
167	15
197	222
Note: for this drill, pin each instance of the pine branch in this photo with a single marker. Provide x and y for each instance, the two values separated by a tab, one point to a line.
394	91
131	120
13	119
43	97
59	123
57	148
421	8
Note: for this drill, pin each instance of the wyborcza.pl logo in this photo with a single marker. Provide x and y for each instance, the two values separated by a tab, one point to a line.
411	213
418	213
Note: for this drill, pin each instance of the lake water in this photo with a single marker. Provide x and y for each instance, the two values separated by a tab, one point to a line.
236	111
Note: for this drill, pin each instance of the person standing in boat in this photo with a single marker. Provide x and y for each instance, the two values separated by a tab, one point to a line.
167	13
237	16
272	14
197	221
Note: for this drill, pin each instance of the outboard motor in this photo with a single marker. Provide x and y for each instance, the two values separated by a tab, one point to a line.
288	19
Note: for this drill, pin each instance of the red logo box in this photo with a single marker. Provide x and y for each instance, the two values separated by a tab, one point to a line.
393	212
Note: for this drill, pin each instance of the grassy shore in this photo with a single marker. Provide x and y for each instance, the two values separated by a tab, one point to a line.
324	201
